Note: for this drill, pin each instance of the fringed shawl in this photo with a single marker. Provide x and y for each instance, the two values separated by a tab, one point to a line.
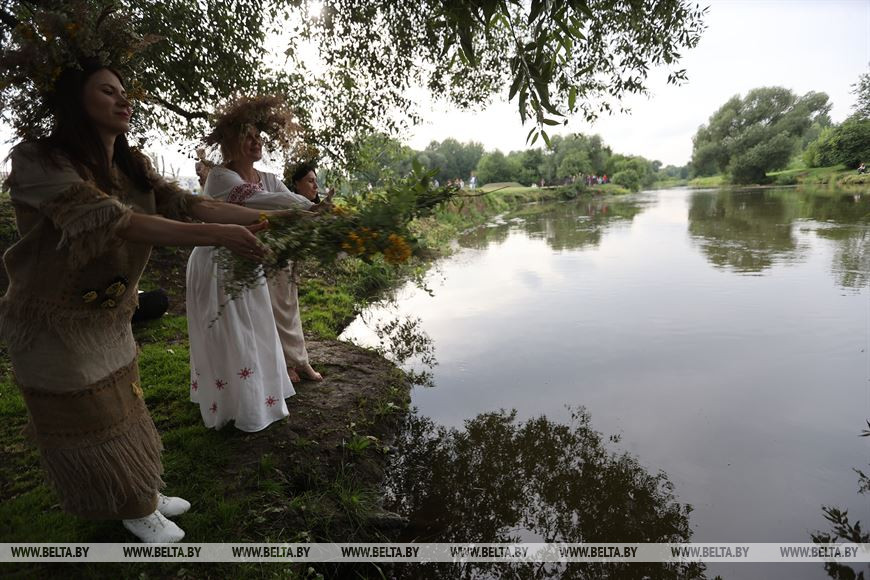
70	272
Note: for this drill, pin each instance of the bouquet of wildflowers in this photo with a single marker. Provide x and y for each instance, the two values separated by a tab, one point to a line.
370	225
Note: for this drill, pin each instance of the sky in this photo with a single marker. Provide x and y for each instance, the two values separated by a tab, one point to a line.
803	45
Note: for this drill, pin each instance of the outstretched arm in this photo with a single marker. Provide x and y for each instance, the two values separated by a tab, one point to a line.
159	231
218	212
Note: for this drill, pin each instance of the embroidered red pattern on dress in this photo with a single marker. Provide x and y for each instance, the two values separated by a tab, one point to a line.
270	401
241	193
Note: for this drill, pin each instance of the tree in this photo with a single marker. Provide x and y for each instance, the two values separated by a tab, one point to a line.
748	137
531	163
495	168
627	178
380	157
557	58
454	160
847	144
861	90
632	172
574	163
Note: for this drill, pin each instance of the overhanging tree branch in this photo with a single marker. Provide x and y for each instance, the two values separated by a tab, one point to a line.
189	115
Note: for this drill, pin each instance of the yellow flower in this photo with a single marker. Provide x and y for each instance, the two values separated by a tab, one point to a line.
397	250
108	303
137	390
354	244
116	289
89	296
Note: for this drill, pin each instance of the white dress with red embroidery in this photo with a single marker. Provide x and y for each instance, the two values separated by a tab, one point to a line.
237	367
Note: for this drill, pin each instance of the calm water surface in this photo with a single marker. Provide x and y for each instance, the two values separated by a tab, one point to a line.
724	337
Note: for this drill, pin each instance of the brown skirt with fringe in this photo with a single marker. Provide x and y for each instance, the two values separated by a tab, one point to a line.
99	446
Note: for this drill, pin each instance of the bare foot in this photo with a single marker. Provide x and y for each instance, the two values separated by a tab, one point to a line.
294	376
309	373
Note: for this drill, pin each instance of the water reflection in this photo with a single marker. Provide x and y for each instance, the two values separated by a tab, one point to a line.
501	480
403	340
749	232
852	256
564	226
841	528
742	231
732	384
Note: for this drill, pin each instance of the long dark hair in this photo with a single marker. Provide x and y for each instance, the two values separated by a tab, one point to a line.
75	136
301	171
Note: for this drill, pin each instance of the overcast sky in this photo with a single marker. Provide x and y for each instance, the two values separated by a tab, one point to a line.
803	45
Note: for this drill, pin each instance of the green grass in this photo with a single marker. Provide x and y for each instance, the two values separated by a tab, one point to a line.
248	501
515	193
852	178
325	308
810	176
609	189
711	181
669	183
797	174
501	185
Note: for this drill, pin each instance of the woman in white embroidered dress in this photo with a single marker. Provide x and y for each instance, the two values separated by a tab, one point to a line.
238	370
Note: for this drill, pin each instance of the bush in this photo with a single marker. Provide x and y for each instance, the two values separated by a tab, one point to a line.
852	142
572	191
627	178
786	179
847	144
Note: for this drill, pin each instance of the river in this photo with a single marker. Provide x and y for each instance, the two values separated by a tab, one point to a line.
720	337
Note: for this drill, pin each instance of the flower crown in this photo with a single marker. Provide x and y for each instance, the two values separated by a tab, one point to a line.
270	116
52	39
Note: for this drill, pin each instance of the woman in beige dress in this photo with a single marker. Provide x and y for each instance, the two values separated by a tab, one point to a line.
88	209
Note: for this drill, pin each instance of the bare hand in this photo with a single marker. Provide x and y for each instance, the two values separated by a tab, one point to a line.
241	240
326	205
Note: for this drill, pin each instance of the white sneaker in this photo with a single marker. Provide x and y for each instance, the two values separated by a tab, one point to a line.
171	506
154	529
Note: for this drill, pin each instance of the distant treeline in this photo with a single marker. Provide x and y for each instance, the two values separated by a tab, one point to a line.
570	159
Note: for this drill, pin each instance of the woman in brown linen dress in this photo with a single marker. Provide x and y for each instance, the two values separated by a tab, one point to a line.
89	208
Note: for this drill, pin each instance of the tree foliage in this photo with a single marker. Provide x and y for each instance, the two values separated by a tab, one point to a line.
495	168
348	68
452	159
847	144
748	137
861	90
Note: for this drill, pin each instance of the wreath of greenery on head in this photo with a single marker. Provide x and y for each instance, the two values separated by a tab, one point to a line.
52	38
270	116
